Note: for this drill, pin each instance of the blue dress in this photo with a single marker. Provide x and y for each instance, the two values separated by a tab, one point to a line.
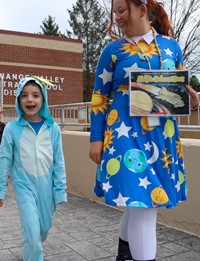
142	166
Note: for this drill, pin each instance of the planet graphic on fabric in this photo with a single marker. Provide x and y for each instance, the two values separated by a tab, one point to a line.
114	58
135	160
112	117
159	196
168	64
137	204
113	166
181	177
144	124
169	129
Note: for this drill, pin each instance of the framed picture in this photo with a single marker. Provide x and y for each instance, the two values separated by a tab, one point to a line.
159	93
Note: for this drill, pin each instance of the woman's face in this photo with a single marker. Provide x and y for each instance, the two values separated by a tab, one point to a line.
127	20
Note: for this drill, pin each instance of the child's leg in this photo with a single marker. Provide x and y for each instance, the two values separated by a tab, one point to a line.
29	217
142	233
46	208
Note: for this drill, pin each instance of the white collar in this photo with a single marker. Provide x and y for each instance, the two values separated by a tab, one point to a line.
148	37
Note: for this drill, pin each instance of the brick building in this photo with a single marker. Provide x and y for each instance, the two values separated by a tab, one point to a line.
54	58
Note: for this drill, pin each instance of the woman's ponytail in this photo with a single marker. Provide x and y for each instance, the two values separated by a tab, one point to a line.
159	18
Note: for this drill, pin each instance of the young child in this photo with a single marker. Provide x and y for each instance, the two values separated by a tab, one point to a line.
32	148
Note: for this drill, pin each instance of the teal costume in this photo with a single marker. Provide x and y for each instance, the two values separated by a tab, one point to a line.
38	173
141	166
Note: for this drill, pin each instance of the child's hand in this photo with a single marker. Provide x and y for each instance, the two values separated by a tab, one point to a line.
1	202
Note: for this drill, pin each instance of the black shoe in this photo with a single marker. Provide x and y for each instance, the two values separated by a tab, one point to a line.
144	260
118	259
123	251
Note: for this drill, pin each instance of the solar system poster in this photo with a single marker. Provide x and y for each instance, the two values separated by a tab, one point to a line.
159	93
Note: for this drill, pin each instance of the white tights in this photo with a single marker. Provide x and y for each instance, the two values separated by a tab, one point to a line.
138	227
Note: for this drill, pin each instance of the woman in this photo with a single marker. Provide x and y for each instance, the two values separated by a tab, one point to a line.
122	145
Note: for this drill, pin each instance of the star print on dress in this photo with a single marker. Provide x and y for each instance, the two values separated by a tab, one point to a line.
134	135
178	186
168	52
111	150
148	146
183	166
106	186
125	93
165	135
134	67
120	201
173	176
106	76
144	182
123	130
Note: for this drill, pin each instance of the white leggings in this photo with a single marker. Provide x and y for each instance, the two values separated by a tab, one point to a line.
138	227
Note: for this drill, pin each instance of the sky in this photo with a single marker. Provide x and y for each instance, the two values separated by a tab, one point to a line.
27	15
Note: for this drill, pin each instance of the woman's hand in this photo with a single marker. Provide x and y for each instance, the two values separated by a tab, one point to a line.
96	151
1	202
194	97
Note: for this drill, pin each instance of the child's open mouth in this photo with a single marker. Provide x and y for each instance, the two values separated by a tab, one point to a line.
30	107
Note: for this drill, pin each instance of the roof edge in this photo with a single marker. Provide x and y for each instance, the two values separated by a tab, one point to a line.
40	36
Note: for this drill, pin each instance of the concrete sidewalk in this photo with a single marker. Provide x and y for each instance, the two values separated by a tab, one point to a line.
85	230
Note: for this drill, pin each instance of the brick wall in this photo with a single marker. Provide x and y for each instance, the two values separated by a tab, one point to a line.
57	59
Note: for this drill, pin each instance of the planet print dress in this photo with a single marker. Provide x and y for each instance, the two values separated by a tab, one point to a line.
142	165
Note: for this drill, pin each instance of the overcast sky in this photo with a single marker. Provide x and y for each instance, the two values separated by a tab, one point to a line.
27	15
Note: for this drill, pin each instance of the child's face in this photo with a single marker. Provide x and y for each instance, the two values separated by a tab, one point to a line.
31	101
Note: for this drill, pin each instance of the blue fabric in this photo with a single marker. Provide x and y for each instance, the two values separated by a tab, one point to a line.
141	166
36	125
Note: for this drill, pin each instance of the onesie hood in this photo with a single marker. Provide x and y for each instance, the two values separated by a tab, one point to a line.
44	111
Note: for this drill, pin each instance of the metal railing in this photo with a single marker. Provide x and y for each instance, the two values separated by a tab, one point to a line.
78	114
74	114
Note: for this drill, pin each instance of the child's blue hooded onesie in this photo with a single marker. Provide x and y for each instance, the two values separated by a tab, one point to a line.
38	172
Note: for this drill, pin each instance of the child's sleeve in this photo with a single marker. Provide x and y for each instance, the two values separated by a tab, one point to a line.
59	172
6	159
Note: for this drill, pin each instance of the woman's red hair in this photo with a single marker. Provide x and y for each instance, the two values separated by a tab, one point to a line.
157	17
